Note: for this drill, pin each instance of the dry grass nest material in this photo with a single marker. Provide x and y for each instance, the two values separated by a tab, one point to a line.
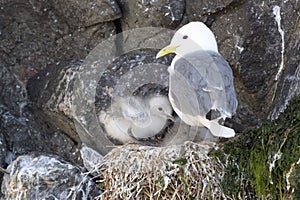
175	172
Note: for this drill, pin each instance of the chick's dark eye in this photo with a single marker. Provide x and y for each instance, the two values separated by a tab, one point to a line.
160	108
185	37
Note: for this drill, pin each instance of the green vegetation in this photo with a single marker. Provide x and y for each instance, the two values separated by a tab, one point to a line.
264	163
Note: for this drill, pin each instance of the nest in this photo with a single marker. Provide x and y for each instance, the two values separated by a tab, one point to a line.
175	172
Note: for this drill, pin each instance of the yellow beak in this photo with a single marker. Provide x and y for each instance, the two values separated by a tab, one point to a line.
166	50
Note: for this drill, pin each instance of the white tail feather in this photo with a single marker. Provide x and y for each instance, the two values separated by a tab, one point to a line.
217	129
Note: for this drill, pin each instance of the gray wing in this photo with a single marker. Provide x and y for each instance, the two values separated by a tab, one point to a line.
227	76
135	110
203	81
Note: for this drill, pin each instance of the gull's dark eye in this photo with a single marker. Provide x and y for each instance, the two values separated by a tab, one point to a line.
185	37
160	108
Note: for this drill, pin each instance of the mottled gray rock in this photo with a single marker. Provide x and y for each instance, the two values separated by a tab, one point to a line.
288	84
3	154
22	131
80	13
46	177
260	49
24	134
32	39
3	149
91	158
87	13
201	9
13	93
150	13
50	92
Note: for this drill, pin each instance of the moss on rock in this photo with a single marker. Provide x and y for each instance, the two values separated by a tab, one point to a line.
264	163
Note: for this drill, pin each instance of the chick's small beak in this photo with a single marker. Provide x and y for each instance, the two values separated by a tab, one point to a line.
166	50
170	117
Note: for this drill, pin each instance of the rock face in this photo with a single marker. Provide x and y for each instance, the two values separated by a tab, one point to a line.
44	177
47	42
80	13
22	131
35	35
24	134
202	9
91	158
151	13
53	99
